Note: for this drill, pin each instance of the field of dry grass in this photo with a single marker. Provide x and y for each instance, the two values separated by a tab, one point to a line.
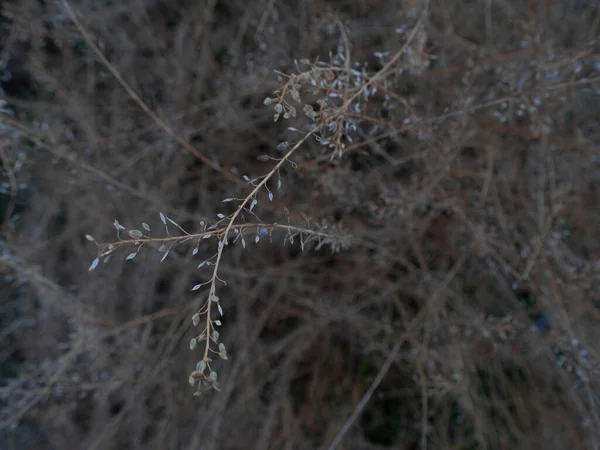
448	152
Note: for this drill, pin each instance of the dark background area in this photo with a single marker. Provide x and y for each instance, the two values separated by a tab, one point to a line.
469	197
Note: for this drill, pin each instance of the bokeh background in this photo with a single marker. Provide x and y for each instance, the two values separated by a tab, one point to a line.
471	201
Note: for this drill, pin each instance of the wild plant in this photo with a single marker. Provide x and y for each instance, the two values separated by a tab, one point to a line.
458	187
333	96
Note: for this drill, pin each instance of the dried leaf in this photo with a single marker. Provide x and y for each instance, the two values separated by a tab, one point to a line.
136	234
164	256
118	226
94	264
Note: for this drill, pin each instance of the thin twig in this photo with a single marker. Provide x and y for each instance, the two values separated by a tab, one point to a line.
384	70
365	399
160	122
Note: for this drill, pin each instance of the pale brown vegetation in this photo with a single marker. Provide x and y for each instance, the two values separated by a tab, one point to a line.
448	154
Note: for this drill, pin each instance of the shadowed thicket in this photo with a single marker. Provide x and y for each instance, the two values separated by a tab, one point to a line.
213	154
